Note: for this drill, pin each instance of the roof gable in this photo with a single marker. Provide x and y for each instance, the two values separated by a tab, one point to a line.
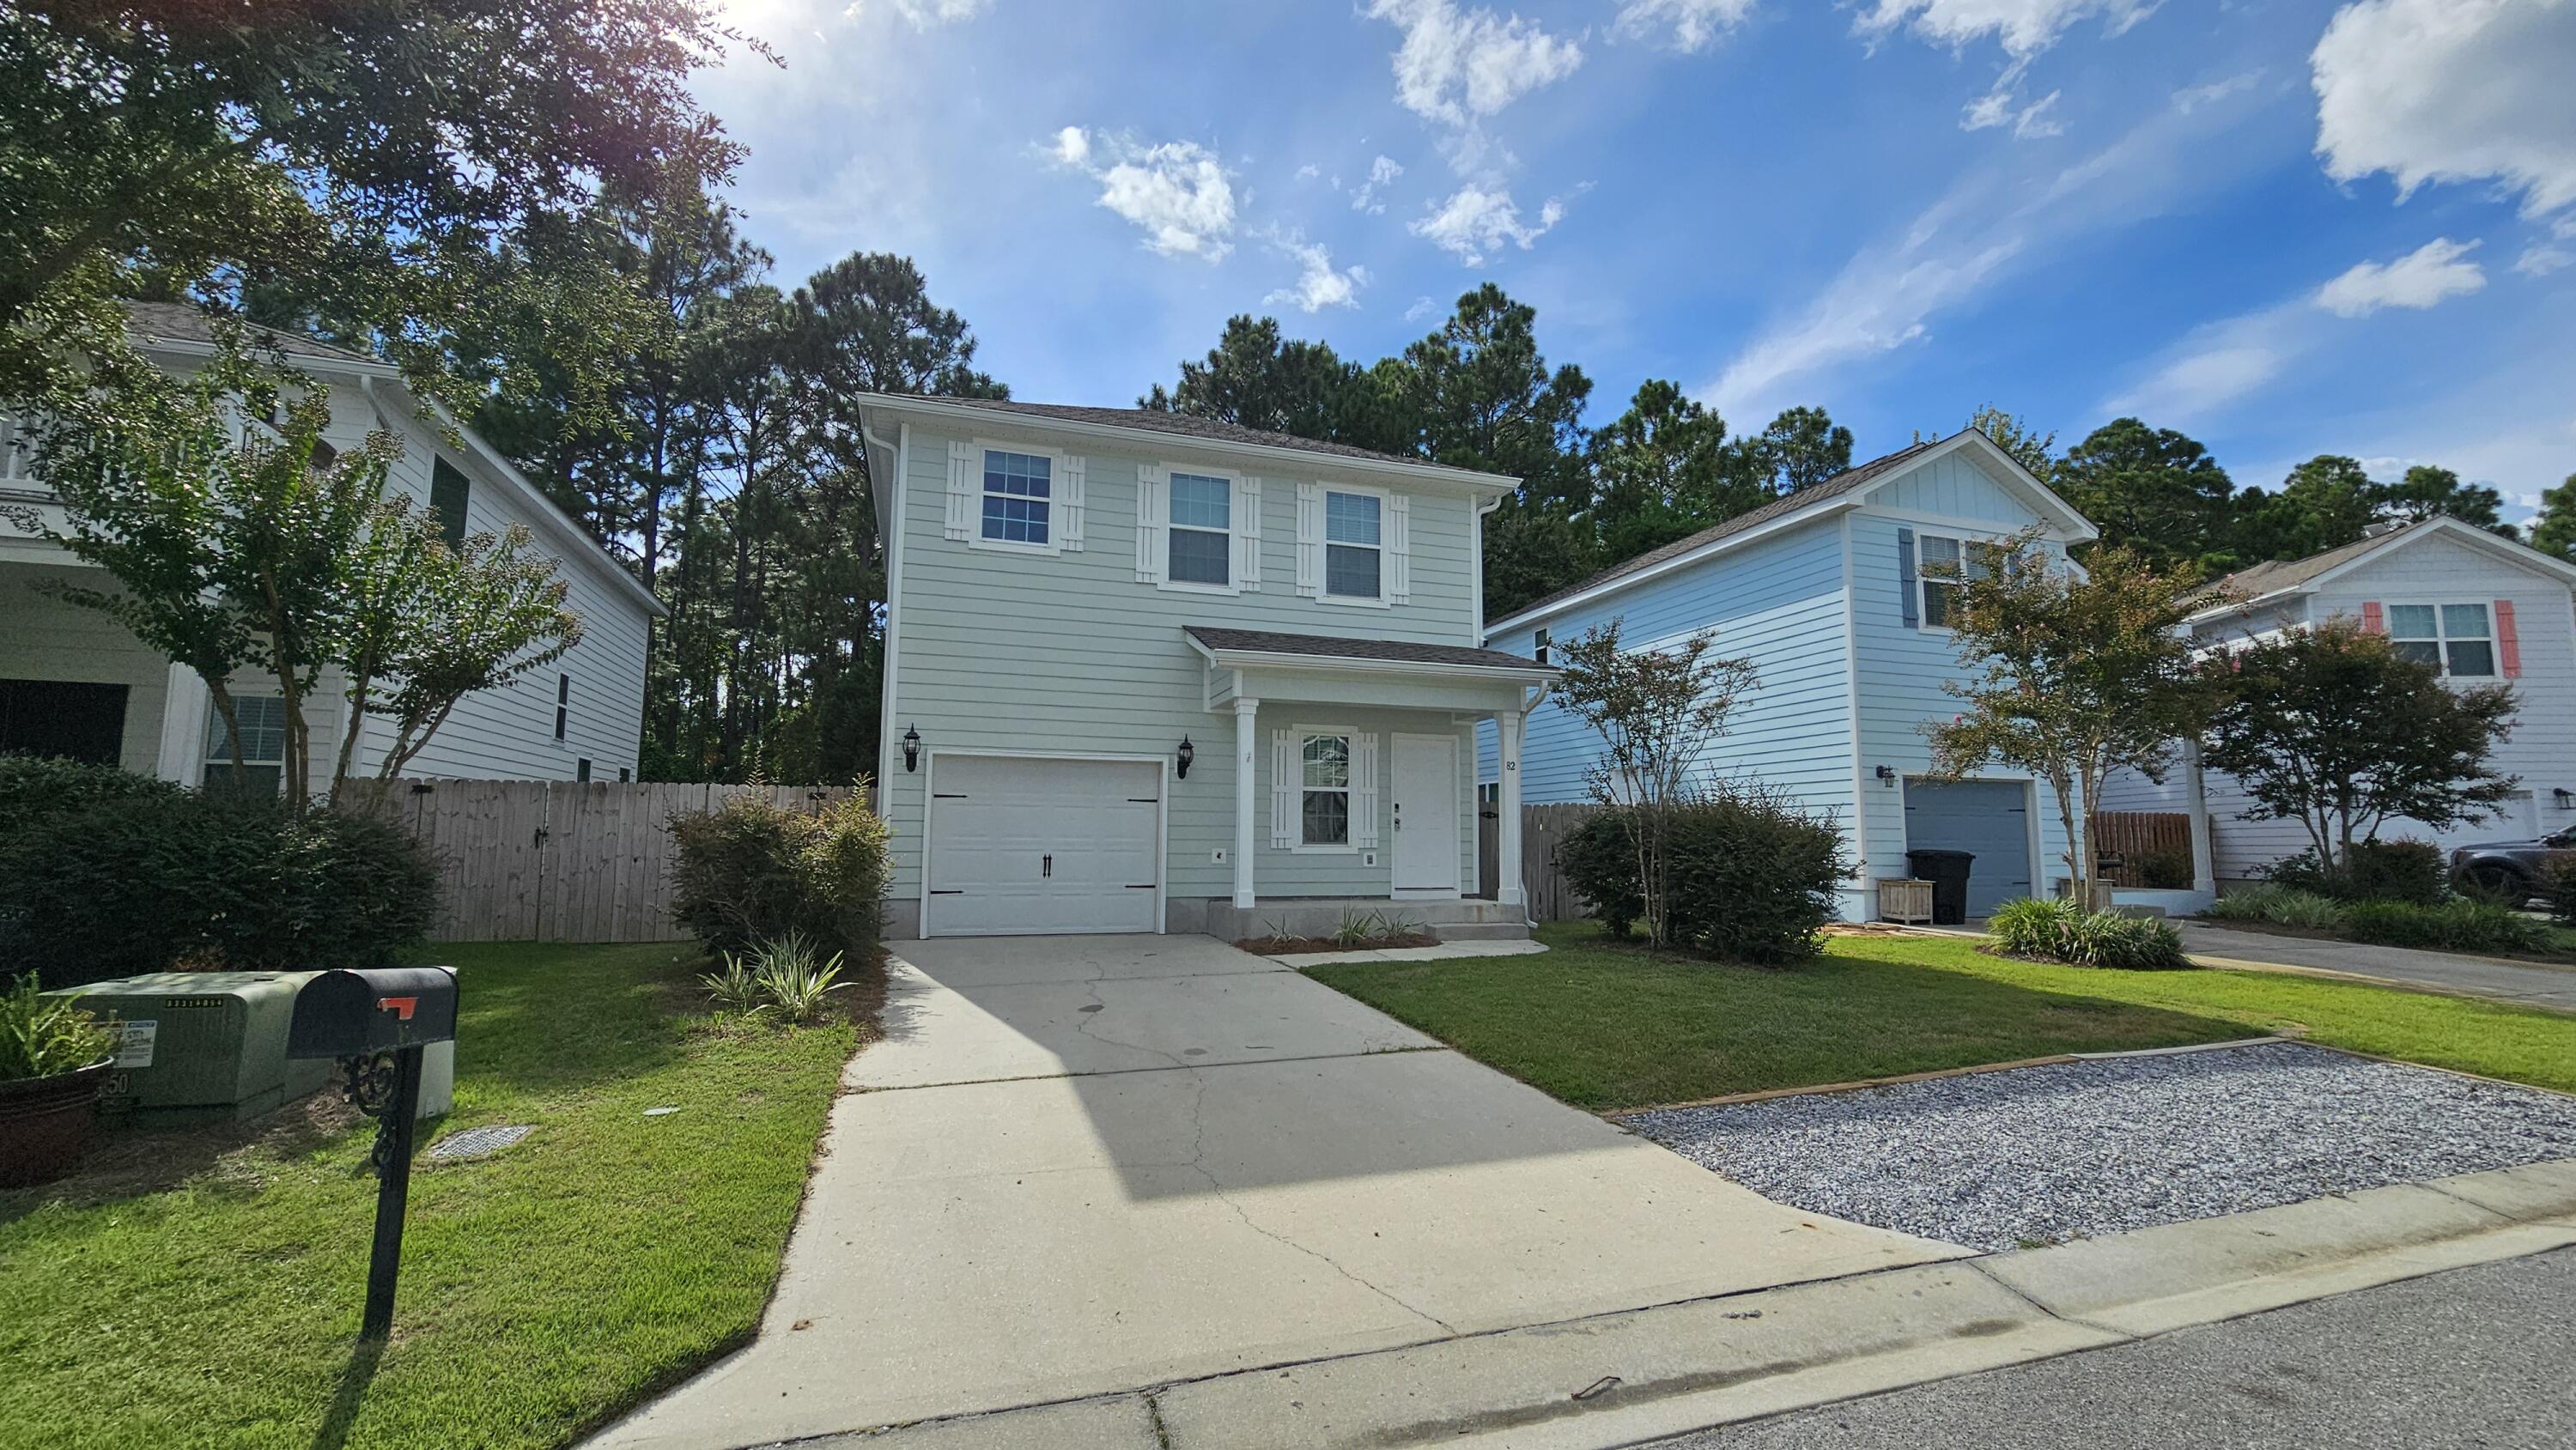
2276	577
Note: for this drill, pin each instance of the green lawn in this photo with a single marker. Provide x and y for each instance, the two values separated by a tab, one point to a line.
179	1296
1608	1026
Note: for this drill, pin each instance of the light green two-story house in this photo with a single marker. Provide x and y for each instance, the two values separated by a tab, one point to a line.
1152	673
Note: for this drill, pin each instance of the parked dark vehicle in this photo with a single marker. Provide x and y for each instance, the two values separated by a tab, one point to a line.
2513	869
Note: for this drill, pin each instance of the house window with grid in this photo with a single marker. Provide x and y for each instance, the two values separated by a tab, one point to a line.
1202	530
1325	812
563	705
263	746
1017	490
2456	639
1947	564
1354	559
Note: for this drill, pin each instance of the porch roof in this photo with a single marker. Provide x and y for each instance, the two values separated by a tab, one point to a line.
1258	648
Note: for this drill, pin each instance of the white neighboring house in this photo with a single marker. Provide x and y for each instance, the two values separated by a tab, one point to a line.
74	683
2484	609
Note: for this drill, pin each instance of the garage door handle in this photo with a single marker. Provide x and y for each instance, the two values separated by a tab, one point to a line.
1046	866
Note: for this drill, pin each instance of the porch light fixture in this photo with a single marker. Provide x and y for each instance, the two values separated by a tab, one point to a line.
2563	797
1887	772
911	750
1189	753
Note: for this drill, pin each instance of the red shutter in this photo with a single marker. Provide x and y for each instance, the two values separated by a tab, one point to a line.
2373	621
2508	643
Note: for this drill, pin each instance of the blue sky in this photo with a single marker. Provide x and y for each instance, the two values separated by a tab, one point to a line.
2285	226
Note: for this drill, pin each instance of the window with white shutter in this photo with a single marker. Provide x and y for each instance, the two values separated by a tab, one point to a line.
1310	539
1150	483
1021	499
1247	533
1324	789
1283	788
1068	504
961	490
1399	549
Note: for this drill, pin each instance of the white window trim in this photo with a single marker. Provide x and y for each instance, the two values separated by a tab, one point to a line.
1385	548
1925	582
1059	467
2441	636
217	738
1235	503
1350	789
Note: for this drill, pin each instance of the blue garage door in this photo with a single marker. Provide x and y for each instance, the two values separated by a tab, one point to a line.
1990	819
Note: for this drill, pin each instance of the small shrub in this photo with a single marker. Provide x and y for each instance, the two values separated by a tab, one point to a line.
2460	926
2410	871
1752	877
155	881
1599	859
737	987
44	1036
2035	928
2558	884
2280	906
751	871
2164	870
793	981
1356	929
2127	943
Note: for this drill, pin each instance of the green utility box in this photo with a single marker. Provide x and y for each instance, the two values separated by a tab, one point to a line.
202	1045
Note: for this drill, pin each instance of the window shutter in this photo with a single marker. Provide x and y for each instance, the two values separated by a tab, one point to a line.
1399	548
1310	539
961	490
1909	594
1247	534
1068	507
2374	620
1364	790
2508	640
1150	516
1285	778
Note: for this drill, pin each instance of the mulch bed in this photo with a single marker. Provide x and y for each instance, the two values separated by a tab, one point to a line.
1285	946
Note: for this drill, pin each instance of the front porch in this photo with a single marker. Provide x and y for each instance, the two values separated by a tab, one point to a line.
75	683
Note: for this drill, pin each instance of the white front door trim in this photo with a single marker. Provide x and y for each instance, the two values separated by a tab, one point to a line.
1423	770
1162	814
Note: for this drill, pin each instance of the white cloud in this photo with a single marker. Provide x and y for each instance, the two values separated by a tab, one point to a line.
1370	197
1177	192
926	13
1454	66
1422	307
2541	261
1309	172
2214	366
2451	90
1478	221
1318	286
1695	24
2025	27
1995	108
2425	277
2192	98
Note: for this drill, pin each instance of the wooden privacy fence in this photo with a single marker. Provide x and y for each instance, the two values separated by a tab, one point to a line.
537	860
2134	835
1542	829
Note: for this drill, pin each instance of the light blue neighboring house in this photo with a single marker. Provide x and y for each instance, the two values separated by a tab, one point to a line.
1147	673
1826	591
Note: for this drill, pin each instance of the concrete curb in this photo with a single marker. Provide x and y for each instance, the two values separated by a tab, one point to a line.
1616	1379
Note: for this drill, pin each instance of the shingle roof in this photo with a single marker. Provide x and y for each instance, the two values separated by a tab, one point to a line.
1787	503
2273	575
182	322
1335	647
1185	426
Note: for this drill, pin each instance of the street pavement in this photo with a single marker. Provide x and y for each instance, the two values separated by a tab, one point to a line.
2476	1357
2531	984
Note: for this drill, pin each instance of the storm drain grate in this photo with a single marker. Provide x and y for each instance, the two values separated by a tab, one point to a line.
480	1142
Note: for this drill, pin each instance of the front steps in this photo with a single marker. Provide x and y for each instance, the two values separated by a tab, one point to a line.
1452	919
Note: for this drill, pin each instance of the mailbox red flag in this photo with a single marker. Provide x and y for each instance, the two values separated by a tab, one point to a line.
401	1007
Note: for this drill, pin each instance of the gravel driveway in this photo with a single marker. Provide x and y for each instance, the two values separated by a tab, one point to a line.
2004	1160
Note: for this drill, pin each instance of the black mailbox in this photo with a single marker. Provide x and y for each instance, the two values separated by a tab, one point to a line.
376	1009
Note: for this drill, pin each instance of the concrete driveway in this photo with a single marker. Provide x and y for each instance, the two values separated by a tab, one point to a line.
1079	1165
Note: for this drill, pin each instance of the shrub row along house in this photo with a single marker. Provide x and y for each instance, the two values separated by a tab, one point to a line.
73	683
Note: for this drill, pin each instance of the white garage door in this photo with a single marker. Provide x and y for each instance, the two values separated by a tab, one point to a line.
1021	847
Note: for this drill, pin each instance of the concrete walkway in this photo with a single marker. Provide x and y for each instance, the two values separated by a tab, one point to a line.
1085	1165
2531	984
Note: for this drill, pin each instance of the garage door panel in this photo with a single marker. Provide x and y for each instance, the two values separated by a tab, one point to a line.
1988	819
1025	846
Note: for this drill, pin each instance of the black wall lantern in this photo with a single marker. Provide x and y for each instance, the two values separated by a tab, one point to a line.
1887	773
911	749
1189	753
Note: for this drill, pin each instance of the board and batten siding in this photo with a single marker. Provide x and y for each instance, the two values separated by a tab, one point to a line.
1903	668
1069	654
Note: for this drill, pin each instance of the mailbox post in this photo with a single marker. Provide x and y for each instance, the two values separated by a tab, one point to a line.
377	1021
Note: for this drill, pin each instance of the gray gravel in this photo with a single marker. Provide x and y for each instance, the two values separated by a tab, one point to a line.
2004	1160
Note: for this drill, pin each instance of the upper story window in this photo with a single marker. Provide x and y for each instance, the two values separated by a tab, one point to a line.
1353	544
563	705
1947	563
17	450
2456	639
1018	492
1354	551
449	489
1202	532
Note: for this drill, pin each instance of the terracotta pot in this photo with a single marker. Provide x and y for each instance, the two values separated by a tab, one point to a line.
46	1123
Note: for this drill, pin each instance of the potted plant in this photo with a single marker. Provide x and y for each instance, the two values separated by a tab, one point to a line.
53	1060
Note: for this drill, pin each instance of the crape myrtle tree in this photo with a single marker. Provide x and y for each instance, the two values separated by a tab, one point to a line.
2333	728
2070	675
1657	710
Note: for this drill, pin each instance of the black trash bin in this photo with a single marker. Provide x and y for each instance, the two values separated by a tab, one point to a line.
1948	873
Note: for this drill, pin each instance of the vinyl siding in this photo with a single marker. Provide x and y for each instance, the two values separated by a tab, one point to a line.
1953	486
42	637
1069	654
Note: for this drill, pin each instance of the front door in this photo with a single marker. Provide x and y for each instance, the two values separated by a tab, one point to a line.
1423	782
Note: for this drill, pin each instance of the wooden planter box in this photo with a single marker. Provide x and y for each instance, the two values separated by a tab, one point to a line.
1905	899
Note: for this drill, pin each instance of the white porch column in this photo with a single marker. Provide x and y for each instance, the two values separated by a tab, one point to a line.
1246	741
184	704
2204	857
1507	839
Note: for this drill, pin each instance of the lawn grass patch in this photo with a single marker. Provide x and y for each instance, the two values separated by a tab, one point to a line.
208	1294
1608	1026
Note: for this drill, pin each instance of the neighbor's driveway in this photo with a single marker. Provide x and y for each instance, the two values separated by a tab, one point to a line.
1088	1164
2532	985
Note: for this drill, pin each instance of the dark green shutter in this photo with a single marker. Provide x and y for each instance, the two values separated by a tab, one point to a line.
1907	589
448	488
